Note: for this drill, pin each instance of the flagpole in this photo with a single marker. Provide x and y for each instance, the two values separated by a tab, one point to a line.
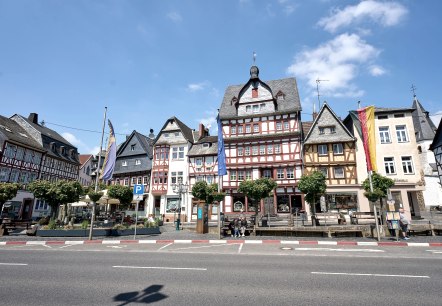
219	208
374	207
97	172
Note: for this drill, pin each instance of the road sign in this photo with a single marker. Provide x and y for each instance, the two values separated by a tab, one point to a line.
138	197
138	189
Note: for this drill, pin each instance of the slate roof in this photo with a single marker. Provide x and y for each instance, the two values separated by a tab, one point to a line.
199	150
379	110
423	125
288	86
13	132
306	126
437	141
187	132
144	155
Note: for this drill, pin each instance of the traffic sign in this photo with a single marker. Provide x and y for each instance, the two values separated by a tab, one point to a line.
138	189
138	197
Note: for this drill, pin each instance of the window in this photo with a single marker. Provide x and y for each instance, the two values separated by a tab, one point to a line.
240	151
133	180
384	134
278	126
126	181
280	173
166	134
233	175
338	148
321	130
255	150
286	125
324	171
332	130
255	109
382	117
339	172
401	133
240	129
124	163
139	180
270	149
233	130
262	106
209	160
199	162
407	165
209	180
277	148
322	149
176	134
248	108
247	151
290	173
399	115
178	153
262	149
248	128
256	128
145	180
240	175
267	173
389	165
248	174
137	162
132	147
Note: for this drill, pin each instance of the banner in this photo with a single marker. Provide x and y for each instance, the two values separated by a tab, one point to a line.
367	130
222	170
111	156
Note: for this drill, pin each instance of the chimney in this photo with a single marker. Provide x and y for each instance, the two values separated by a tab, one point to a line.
33	117
151	135
201	131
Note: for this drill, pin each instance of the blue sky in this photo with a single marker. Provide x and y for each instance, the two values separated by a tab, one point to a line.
150	60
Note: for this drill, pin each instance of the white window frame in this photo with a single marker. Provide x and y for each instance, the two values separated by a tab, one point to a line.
290	173
338	149
256	128
248	128
233	175
137	162
338	172
384	134
124	163
407	164
322	149
240	151
324	170
401	133
233	130
389	165
280	173
255	108
279	126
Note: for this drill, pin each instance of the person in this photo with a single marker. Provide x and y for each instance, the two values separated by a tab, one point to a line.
243	226
236	227
403	222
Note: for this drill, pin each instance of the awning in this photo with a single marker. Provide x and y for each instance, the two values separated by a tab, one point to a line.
79	204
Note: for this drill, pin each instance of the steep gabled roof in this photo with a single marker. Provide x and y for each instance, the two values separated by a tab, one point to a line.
84	158
198	149
185	130
326	118
437	141
144	141
13	132
423	125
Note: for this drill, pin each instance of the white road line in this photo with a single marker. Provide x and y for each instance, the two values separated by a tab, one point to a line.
369	274
12	264
201	247
418	244
240	248
434	251
253	241
48	246
65	246
340	250
160	268
163	247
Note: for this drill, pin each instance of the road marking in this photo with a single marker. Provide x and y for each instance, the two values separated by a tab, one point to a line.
163	247
434	251
45	245
340	250
111	242
160	268
201	247
240	248
369	274
12	264
116	246
65	246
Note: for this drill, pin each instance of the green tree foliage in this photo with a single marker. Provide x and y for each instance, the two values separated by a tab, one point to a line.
56	193
256	190
207	193
122	193
7	192
381	184
313	186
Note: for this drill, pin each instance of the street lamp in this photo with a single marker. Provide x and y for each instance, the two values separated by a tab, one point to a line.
180	189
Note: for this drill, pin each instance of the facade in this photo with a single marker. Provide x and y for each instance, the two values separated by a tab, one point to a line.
425	131
169	168
397	158
134	164
262	137
436	147
331	149
84	174
203	166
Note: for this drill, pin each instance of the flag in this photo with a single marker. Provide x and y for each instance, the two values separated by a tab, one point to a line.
367	132
111	156
222	170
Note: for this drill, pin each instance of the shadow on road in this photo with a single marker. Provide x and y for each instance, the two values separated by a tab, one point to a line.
149	295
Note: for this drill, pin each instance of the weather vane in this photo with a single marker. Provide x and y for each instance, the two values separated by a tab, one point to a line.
317	89
413	89
254	57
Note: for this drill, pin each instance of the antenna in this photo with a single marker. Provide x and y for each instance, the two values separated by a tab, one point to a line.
413	89
317	89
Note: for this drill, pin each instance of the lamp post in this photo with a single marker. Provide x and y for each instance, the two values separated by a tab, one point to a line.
179	189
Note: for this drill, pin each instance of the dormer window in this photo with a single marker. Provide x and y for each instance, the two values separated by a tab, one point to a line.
248	108
206	145
137	162
63	150
132	147
52	146
280	96
124	163
255	109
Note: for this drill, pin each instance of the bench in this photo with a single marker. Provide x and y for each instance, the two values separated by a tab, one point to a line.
327	218
362	217
421	228
327	231
227	231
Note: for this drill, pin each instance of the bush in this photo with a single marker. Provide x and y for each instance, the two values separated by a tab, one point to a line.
85	224
43	221
150	224
119	227
52	224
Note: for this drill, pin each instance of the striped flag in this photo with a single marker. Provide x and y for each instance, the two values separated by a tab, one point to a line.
222	170
367	131
111	156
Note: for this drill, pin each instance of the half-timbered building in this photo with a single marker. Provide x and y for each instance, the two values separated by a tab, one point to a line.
134	164
170	168
261	130
436	147
330	148
84	174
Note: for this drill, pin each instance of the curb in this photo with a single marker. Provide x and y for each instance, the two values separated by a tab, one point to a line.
199	241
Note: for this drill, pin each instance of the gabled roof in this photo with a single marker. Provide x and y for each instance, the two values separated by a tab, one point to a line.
13	132
198	149
185	130
326	118
437	141
288	87
144	141
423	125
84	158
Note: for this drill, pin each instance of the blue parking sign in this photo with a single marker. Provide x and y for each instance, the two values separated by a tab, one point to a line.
138	189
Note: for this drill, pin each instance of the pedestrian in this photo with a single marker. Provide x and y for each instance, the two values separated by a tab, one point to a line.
236	227
404	222
243	226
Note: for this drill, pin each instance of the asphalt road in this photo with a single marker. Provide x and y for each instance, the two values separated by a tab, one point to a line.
228	274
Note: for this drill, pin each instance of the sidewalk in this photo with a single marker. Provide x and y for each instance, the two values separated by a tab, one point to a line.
170	235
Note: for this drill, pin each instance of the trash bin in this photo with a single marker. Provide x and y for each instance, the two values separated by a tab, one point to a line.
264	222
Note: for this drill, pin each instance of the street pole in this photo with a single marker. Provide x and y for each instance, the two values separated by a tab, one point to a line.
97	172
219	208
374	207
136	220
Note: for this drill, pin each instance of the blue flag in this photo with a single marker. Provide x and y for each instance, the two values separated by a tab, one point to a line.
222	170
111	156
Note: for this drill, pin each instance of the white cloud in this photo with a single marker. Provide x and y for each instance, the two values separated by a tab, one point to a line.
210	121
197	86
81	146
384	13
288	6
72	139
175	17
376	70
337	61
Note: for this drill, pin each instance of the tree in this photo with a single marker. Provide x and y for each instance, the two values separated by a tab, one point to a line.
7	192
56	193
257	190
122	193
380	183
313	186
207	193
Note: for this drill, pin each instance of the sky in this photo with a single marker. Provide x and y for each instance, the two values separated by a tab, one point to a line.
147	61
